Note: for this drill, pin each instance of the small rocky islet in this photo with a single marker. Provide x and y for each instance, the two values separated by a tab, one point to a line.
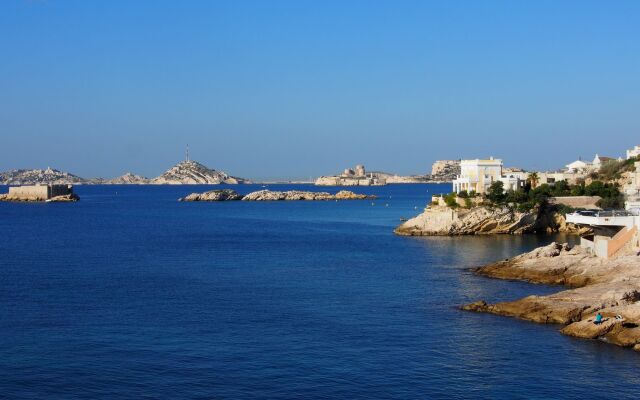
270	195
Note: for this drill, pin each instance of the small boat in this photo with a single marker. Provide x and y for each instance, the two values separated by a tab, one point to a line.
402	219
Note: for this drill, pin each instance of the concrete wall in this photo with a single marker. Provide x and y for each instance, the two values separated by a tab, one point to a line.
620	240
601	246
586	242
577	201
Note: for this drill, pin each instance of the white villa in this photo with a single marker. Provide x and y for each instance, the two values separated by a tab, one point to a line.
616	230
477	175
578	166
635	152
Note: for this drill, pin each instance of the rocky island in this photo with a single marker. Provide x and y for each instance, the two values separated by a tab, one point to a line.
39	176
191	172
610	287
40	193
441	171
269	195
187	172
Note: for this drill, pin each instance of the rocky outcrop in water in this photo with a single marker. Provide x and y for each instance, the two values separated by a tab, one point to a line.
269	195
442	220
57	199
192	172
38	176
213	195
609	287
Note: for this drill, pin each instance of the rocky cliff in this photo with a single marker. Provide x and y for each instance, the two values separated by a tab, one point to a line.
192	172
442	220
445	170
34	176
610	287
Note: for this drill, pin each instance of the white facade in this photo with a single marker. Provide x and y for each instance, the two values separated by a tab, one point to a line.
477	175
578	166
513	181
635	152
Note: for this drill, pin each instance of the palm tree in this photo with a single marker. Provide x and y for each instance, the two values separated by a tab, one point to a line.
534	179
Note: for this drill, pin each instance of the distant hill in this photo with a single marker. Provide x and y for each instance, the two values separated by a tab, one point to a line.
183	173
33	176
128	179
192	172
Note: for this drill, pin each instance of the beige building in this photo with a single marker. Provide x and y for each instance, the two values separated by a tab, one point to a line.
477	175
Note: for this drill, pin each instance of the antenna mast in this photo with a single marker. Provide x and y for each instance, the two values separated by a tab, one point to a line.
187	153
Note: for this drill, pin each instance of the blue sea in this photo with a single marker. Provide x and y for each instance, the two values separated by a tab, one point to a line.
131	294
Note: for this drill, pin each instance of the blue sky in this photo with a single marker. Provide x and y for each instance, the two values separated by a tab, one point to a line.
290	89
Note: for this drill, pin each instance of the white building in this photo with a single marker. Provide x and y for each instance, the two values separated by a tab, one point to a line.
635	152
578	166
613	231
477	175
599	160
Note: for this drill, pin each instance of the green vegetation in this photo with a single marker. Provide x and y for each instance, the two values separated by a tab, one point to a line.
613	169
528	198
535	195
450	200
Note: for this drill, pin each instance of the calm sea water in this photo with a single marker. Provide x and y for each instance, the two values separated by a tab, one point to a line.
131	294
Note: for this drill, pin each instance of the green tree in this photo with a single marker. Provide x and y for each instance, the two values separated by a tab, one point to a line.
533	179
495	194
450	200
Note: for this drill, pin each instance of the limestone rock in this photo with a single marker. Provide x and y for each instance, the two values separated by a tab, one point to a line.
192	172
65	198
610	287
57	199
213	195
442	220
268	195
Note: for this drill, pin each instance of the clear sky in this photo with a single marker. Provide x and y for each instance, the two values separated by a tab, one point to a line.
286	89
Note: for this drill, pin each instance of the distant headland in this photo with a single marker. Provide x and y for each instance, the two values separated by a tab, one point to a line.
441	171
187	172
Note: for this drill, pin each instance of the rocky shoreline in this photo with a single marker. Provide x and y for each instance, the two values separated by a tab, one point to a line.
441	220
269	195
609	287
